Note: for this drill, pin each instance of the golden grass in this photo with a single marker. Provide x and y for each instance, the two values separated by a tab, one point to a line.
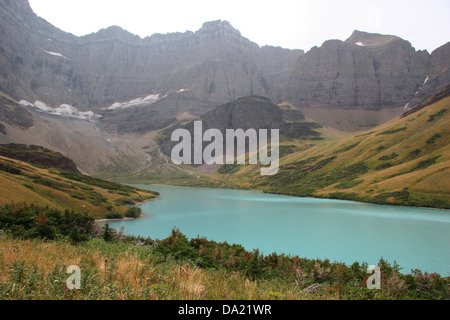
23	188
126	274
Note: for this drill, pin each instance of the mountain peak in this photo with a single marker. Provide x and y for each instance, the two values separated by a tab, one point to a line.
19	7
114	32
219	26
370	39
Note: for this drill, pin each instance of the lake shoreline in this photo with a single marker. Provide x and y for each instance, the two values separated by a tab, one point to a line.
140	203
212	213
290	195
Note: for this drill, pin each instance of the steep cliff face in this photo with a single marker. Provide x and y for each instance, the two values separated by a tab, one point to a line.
250	112
216	64
369	71
14	114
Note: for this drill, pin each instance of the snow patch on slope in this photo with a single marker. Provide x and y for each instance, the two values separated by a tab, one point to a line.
63	110
135	102
56	54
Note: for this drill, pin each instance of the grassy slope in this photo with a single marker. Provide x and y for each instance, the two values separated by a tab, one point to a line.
132	273
36	270
64	190
405	161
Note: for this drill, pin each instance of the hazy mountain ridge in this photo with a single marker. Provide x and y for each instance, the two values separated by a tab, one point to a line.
140	86
369	71
217	64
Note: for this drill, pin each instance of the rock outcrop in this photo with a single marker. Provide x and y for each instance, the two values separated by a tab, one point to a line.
215	64
369	71
250	112
38	155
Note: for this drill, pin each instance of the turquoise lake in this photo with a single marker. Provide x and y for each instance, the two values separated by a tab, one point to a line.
343	231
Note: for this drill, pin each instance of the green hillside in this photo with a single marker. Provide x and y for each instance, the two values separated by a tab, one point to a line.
405	161
34	183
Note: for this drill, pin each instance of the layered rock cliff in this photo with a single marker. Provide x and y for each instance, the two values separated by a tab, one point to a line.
215	64
369	71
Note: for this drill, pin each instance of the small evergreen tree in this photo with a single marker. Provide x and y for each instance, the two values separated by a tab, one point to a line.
74	235
108	233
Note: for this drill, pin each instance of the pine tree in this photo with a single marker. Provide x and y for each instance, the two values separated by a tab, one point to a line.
108	233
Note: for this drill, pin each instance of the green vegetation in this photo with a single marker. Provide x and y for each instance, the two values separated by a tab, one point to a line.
307	181
415	153
349	184
403	162
437	115
433	139
425	164
300	130
392	131
115	266
390	157
133	212
108	185
30	221
21	181
9	169
347	148
229	168
114	215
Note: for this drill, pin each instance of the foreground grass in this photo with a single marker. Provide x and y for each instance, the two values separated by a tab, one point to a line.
34	269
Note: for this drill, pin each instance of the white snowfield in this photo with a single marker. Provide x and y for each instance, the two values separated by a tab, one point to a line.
135	102
56	54
63	110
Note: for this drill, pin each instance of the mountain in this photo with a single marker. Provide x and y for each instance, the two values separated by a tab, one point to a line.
369	71
251	112
213	65
405	161
104	99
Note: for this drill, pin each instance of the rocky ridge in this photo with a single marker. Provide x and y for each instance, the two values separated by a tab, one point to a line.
368	71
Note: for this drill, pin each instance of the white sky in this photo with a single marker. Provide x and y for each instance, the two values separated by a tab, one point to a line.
294	24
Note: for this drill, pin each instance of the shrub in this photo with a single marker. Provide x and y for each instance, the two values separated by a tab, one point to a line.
425	163
415	153
9	169
108	233
437	115
133	212
392	131
114	215
124	201
30	221
390	157
384	166
433	139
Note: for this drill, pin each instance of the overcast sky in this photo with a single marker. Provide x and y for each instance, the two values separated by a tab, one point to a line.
294	24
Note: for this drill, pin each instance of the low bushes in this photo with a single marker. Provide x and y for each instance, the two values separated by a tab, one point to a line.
30	221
